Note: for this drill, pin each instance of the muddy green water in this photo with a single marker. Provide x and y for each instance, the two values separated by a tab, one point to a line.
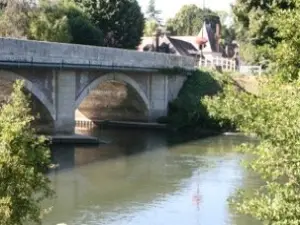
145	178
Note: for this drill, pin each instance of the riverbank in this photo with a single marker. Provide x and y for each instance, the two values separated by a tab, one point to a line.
188	113
164	127
128	124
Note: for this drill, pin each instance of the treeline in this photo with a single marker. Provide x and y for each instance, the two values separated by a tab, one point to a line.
116	23
111	23
268	32
188	21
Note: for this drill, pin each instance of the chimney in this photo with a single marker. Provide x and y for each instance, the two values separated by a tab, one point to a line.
157	38
218	35
157	42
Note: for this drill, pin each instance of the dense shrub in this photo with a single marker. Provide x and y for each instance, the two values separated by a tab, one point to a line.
23	156
274	116
187	111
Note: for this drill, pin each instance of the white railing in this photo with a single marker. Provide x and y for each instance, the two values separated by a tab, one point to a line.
224	63
251	70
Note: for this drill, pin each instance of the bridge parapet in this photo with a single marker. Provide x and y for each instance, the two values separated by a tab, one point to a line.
38	53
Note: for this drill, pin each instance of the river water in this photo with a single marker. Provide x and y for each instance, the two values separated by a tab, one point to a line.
147	178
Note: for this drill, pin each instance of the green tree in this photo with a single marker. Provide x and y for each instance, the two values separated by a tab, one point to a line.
228	34
121	21
63	22
14	18
274	116
253	23
185	113
227	30
152	12
150	27
189	20
23	155
270	33
2	5
82	29
287	51
224	17
50	23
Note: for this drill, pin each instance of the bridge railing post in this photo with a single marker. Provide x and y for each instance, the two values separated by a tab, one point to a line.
228	64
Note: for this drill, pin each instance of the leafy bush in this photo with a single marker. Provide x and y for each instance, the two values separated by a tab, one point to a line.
274	116
187	111
50	24
22	156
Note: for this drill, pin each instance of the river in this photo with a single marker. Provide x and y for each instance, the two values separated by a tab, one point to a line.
146	178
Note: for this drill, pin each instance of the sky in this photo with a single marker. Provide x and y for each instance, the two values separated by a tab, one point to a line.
170	7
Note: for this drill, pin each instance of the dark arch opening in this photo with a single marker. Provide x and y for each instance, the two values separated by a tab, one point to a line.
113	100
43	120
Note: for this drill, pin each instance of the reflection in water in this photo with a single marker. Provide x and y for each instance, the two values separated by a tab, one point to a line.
143	179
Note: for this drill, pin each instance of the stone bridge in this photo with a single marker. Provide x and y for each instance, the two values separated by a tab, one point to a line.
61	76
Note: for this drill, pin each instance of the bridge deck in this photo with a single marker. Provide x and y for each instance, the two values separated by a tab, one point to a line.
17	52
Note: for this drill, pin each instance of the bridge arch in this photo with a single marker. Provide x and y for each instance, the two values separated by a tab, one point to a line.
119	77
11	76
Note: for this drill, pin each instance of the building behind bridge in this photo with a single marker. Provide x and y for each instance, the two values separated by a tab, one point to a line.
187	46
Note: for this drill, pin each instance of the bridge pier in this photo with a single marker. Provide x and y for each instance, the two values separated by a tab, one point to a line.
158	87
65	87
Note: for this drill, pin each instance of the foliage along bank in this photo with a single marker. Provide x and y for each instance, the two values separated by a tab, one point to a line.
187	113
23	156
274	116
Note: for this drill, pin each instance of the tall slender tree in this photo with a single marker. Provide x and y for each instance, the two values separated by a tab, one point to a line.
189	20
152	12
150	28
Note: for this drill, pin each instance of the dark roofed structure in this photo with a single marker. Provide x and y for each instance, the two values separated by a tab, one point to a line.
187	45
183	47
213	48
211	37
171	46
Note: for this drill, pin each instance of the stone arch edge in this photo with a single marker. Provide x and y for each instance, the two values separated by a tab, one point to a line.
32	89
112	77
